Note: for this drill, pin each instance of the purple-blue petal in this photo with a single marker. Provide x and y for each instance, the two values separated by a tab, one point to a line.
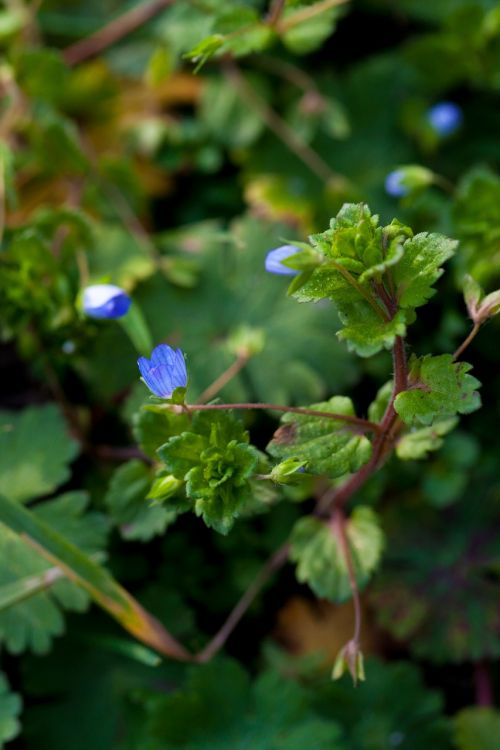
165	371
394	186
144	366
105	301
162	354
445	117
274	257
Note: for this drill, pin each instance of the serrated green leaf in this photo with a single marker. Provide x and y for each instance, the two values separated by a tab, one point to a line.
317	551
420	267
34	622
153	426
35	452
367	334
378	407
306	35
10	708
329	446
216	462
126	500
477	728
440	387
418	444
219	708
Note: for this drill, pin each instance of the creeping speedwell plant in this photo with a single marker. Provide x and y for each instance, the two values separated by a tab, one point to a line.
377	278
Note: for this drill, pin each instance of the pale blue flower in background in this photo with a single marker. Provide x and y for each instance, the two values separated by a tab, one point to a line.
445	117
106	301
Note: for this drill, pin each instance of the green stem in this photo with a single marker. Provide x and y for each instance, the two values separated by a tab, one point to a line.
364	293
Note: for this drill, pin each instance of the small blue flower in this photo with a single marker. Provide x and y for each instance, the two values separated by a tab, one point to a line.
445	118
105	301
394	184
165	371
274	258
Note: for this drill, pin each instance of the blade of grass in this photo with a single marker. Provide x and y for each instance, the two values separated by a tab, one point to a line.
95	579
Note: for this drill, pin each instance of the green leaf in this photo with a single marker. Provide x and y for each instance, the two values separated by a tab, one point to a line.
419	443
365	333
440	387
317	551
218	707
477	729
153	426
377	408
306	35
393	708
126	500
35	452
329	446
79	568
204	50
356	253
216	462
32	623
420	267
437	592
10	708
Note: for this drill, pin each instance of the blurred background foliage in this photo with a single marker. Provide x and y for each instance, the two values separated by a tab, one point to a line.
119	163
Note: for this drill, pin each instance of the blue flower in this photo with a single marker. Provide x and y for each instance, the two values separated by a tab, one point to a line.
394	184
445	117
274	258
165	371
105	301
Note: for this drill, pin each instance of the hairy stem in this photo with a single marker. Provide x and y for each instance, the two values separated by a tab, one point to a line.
364	424
114	31
382	446
275	562
463	346
223	379
338	525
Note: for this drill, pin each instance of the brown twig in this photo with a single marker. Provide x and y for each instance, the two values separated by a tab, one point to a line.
275	12
223	379
463	346
117	29
275	562
305	14
280	127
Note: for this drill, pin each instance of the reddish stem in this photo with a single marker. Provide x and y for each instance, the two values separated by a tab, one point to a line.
482	684
364	424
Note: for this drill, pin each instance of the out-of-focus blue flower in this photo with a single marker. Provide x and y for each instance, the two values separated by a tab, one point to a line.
274	258
445	117
105	301
394	184
165	371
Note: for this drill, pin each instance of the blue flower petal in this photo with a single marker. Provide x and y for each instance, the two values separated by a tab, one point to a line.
274	257
162	354
165	371
394	186
105	301
445	117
